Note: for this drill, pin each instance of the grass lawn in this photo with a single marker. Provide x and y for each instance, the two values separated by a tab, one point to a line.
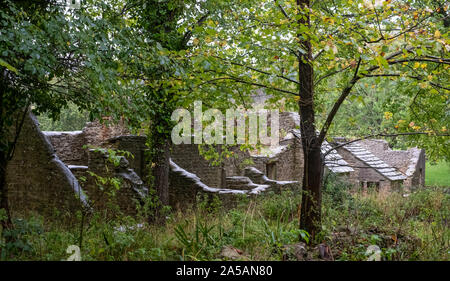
438	174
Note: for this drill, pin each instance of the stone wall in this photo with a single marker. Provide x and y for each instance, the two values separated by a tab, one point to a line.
185	187
96	133
136	146
235	165
410	162
287	160
37	180
69	146
288	121
290	162
363	173
416	169
132	190
187	156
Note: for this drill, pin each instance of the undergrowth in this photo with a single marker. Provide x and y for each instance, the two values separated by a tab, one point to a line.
405	226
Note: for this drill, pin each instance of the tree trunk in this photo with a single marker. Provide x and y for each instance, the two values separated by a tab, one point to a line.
161	173
310	217
4	157
6	223
159	156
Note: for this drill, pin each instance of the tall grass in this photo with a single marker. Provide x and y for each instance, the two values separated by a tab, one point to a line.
415	227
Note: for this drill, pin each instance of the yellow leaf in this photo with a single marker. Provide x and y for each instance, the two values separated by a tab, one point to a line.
388	115
416	65
329	20
437	34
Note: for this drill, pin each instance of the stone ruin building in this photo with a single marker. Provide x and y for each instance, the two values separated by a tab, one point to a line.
48	168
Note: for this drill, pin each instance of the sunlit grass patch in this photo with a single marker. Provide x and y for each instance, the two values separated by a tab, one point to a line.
437	174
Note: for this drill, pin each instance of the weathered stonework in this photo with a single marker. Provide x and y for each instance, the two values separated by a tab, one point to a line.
37	180
96	133
188	157
364	176
44	171
76	151
132	189
186	186
410	162
136	146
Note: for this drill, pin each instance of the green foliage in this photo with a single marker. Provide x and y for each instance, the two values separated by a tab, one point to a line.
405	228
107	184
69	119
198	243
15	240
402	49
410	227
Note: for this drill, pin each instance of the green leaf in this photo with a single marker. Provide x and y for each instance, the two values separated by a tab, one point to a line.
8	66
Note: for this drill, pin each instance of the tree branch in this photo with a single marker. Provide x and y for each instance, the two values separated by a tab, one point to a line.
420	78
187	36
338	103
258	70
346	91
282	10
239	80
381	135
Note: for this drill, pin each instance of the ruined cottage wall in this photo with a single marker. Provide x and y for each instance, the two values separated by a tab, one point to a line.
96	133
289	163
410	162
188	157
235	164
101	195
288	121
136	146
36	178
182	190
377	147
69	146
362	174
417	178
260	163
398	159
